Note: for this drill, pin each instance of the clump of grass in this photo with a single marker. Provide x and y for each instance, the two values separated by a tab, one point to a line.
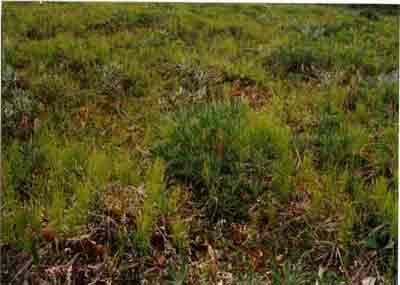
17	170
99	168
381	156
298	61
227	149
124	168
345	230
288	273
153	205
56	211
177	224
376	223
62	177
338	142
77	215
384	202
20	226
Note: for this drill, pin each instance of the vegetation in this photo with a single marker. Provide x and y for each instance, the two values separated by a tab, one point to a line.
226	149
199	144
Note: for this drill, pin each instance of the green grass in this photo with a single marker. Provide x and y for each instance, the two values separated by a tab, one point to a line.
199	144
226	148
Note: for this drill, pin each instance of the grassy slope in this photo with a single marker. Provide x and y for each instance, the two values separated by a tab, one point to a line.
102	160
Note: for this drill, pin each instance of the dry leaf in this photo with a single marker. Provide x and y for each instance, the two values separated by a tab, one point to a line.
369	281
48	234
160	260
214	261
256	258
239	234
100	250
23	124
280	259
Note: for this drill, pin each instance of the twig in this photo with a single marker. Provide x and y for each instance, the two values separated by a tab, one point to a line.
69	272
23	269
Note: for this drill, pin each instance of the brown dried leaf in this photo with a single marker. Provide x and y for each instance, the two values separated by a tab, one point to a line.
48	234
214	260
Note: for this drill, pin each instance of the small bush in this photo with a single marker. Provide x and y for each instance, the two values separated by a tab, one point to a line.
226	148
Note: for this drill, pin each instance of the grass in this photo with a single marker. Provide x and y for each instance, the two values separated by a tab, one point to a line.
199	144
227	149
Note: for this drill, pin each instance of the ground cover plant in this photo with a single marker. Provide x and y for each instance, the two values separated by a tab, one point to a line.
199	144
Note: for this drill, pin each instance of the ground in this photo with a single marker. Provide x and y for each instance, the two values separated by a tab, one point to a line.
199	144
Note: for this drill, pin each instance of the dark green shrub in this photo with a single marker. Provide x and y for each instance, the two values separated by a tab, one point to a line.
226	149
